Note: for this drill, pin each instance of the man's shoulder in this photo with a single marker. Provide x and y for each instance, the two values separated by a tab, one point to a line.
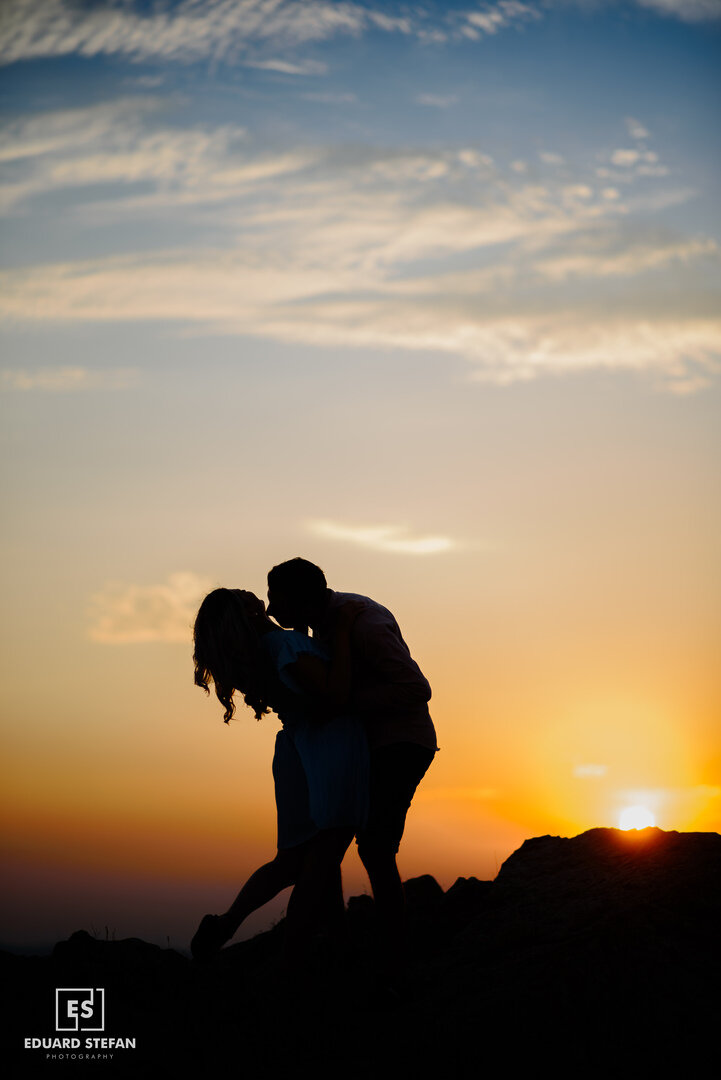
371	607
338	598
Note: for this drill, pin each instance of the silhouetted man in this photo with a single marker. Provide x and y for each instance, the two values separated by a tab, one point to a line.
391	694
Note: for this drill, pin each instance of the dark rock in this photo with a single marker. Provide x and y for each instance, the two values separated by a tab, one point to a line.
422	893
361	907
606	945
589	956
465	899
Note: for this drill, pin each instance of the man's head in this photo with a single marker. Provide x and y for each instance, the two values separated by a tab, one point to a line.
297	592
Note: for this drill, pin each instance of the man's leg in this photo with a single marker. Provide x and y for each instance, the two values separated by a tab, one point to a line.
395	773
390	904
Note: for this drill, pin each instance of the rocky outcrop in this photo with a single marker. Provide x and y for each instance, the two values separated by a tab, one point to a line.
589	956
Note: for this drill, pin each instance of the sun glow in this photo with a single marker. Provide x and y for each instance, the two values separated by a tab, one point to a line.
636	817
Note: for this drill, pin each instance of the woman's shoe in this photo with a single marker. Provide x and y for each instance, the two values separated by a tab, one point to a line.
210	937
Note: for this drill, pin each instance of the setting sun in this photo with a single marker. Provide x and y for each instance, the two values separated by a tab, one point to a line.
636	817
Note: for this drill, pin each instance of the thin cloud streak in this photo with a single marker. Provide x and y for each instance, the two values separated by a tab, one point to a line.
437	101
637	259
286	67
65	130
384	538
111	144
68	379
590	772
687	10
487	21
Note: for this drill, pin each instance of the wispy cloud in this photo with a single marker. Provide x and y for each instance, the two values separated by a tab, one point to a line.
636	129
686	10
590	772
186	31
67	131
422	249
122	614
329	302
626	164
393	539
437	101
108	143
625	158
147	82
691	11
548	157
118	143
287	67
64	379
489	19
225	32
253	31
675	349
330	97
635	258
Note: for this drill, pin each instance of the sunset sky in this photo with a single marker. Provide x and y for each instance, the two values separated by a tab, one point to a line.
426	293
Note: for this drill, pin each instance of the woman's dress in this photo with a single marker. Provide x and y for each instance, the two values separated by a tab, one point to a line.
320	767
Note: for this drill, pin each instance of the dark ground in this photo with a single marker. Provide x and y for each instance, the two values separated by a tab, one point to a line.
592	956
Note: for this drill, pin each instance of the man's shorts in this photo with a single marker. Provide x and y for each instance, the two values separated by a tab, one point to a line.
395	773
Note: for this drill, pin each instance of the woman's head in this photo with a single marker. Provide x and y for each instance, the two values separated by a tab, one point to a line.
227	649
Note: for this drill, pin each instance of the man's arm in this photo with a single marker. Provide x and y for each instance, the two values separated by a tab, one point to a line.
392	677
329	682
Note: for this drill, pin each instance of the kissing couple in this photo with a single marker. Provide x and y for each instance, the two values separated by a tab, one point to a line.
356	740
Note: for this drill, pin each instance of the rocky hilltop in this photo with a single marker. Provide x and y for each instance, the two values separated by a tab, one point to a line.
590	955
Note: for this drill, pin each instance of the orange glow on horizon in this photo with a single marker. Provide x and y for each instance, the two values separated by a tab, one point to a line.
636	817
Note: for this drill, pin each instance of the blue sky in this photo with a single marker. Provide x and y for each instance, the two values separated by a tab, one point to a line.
507	156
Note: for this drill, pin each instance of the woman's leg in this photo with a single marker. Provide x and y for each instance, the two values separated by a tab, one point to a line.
267	881
313	868
264	885
318	890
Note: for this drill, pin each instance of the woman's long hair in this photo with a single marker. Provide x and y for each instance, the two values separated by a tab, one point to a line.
228	653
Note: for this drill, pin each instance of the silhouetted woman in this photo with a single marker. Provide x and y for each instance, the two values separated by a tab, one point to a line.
320	765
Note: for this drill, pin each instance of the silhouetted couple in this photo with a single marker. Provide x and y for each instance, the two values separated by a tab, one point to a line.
357	738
